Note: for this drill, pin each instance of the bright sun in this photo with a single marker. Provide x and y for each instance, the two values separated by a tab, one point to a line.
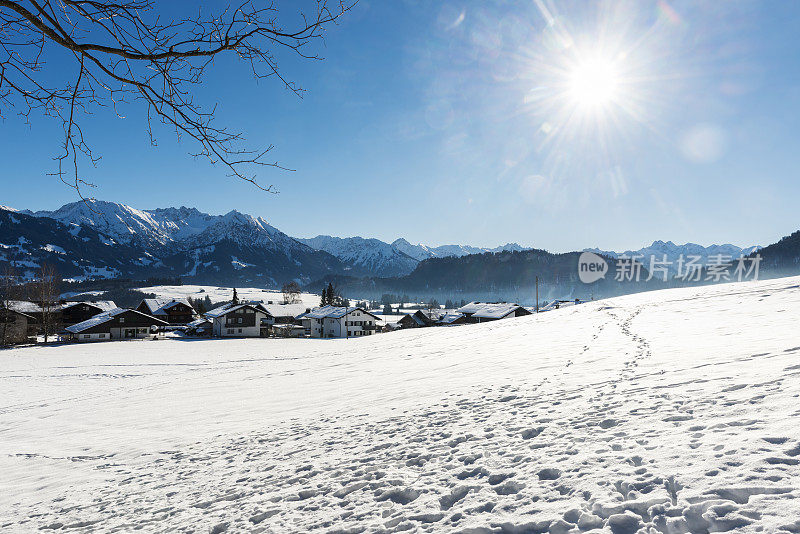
594	83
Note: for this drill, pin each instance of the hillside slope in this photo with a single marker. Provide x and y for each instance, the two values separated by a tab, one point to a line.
670	411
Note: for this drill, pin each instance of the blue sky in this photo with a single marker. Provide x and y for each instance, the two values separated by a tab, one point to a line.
451	122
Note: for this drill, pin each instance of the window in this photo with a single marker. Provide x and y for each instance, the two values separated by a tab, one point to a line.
86	336
102	336
240	322
121	320
240	330
230	330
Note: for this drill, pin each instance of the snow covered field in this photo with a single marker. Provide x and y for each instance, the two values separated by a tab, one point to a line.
220	294
672	411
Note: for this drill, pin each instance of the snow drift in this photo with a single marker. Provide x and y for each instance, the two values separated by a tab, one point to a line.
671	411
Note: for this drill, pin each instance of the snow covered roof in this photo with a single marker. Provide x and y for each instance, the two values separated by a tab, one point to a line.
334	312
423	318
104	305
104	317
228	308
198	322
24	306
449	318
285	310
497	311
159	306
489	310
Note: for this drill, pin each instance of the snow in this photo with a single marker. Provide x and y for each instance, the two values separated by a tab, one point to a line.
381	259
675	410
93	271
82	294
335	312
239	264
223	294
24	306
423	252
225	309
98	319
105	305
489	310
54	249
159	305
166	226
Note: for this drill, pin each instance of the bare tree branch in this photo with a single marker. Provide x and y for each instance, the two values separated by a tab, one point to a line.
123	51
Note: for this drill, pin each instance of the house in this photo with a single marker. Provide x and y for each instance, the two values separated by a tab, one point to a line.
119	323
418	319
480	312
15	327
173	311
240	320
77	312
338	321
31	309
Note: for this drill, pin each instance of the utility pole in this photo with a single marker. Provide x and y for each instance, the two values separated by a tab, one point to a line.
537	294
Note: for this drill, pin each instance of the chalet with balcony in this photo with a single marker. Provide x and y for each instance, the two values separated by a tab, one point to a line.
240	320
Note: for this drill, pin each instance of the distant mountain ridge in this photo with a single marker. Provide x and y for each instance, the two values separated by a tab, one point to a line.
107	239
225	248
183	242
371	255
422	252
392	259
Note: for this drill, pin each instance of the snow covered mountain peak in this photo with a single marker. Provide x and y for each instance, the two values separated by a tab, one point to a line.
244	230
423	252
373	255
120	222
163	227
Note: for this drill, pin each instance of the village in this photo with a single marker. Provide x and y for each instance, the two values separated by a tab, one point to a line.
73	321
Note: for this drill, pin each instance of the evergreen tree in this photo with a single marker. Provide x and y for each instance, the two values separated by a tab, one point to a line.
328	295
235	299
387	309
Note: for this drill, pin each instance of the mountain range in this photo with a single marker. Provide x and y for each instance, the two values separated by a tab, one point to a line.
99	239
107	239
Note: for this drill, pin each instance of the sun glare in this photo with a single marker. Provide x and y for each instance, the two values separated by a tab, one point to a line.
594	83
